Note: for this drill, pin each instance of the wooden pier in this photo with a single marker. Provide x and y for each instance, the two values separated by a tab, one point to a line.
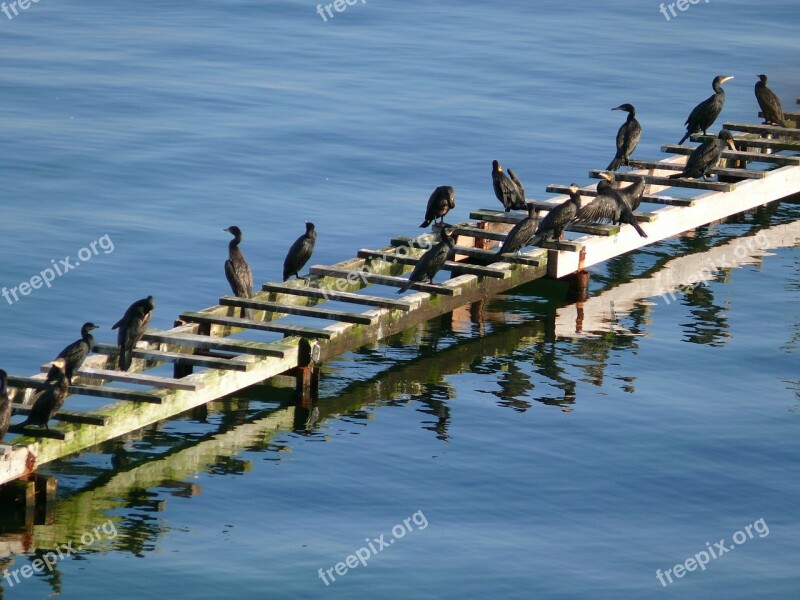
764	168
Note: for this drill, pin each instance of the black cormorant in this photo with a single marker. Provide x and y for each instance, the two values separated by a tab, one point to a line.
769	102
517	182
76	352
430	262
441	202
505	189
237	271
628	136
518	237
554	223
706	156
705	113
299	253
632	194
612	204
131	327
51	399
5	405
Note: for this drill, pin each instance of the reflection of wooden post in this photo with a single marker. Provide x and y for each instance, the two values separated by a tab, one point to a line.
578	286
45	489
20	496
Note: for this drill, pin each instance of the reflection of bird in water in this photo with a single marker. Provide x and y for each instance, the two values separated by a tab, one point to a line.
441	202
49	401
628	136
514	386
769	103
300	252
76	352
705	113
5	405
131	327
706	156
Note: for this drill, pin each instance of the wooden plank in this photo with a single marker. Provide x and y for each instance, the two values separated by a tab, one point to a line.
776	159
177	358
789	132
39	432
65	415
753	142
490	216
667	182
388	280
592	191
166	383
303	311
222	344
453	267
479	253
287	330
337	296
563	245
725	172
96	391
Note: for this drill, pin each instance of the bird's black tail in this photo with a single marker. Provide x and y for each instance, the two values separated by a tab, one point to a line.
685	137
534	240
676	175
124	359
638	229
615	164
405	287
425	223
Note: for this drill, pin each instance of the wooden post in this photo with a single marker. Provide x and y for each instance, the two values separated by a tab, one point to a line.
307	373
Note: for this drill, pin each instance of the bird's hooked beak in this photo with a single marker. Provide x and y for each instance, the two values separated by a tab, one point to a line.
606	176
620	107
726	78
730	144
59	362
92	327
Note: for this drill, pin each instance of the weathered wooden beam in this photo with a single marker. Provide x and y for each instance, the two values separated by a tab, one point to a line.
337	296
165	383
650	199
453	267
303	311
177	358
96	391
776	159
387	280
491	255
725	172
222	344
287	330
715	186
66	416
789	132
40	432
752	142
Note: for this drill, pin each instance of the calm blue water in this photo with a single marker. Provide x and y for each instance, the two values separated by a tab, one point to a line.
544	466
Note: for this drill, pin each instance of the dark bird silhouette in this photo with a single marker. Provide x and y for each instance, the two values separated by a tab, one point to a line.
51	399
237	271
554	223
706	156
769	103
520	188
76	352
632	194
611	205
628	136
131	327
705	113
441	202
505	189
5	405
430	262
518	237
300	252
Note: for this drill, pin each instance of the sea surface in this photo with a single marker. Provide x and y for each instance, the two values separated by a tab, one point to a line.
529	451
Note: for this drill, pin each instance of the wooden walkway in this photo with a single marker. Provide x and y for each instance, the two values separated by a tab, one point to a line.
207	341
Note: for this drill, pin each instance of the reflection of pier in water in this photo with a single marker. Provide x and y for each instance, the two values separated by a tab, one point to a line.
505	340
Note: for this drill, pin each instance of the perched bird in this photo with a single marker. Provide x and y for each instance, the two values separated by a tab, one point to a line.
705	113
505	189
299	253
131	327
5	405
769	102
237	271
441	202
430	262
518	237
628	136
76	352
51	399
517	182
611	205
706	156
632	194
554	223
